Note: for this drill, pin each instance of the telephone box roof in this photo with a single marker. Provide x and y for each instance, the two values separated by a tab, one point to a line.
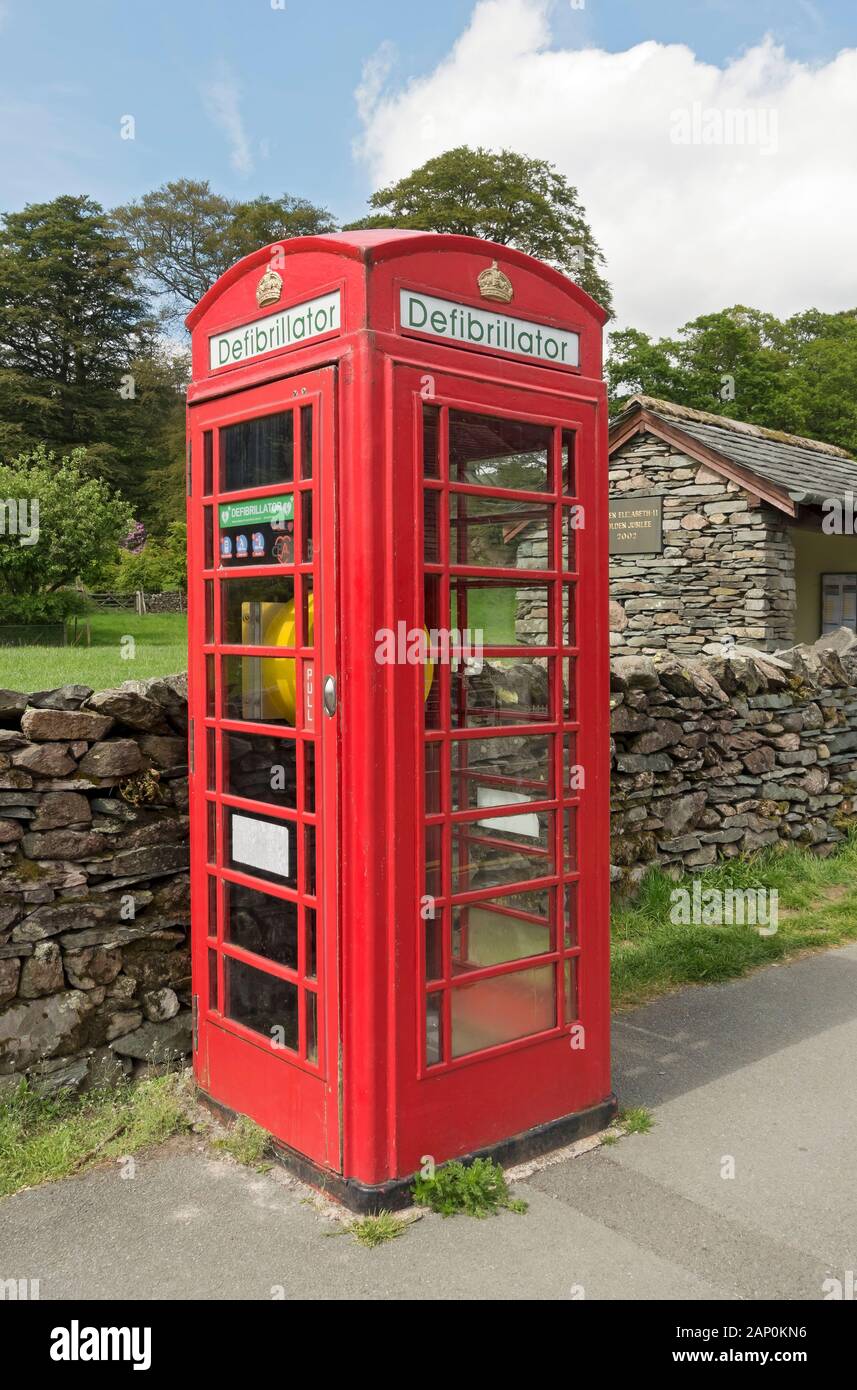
373	245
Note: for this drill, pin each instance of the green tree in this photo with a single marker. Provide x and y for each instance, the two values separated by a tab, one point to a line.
184	235
795	375
71	324
159	567
503	197
65	524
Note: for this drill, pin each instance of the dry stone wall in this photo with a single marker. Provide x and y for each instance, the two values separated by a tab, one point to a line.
712	758
718	757
94	888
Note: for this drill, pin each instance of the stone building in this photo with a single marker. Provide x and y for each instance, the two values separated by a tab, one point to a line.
725	532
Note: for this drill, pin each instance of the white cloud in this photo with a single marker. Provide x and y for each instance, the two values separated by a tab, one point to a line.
221	97
686	228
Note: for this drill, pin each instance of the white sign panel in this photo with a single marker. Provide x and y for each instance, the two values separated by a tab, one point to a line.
288	328
261	844
461	323
518	825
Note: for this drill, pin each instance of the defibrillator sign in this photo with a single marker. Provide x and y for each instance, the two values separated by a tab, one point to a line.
288	328
483	328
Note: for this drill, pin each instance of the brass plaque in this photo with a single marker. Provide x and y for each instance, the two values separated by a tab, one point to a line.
636	525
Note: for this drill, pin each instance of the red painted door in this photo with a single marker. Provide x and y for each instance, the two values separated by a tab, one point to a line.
502	976
264	779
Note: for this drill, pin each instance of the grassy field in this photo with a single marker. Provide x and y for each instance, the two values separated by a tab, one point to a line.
652	955
159	648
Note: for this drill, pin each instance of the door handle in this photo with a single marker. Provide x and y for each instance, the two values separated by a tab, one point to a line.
328	696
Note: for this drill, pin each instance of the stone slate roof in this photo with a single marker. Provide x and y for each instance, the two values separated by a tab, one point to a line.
808	470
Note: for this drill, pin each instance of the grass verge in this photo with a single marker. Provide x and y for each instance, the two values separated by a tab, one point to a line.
652	955
45	1138
159	649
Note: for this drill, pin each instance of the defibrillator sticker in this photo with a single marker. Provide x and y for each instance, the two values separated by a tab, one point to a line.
267	534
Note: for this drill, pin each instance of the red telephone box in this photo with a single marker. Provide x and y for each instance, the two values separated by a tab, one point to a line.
397	502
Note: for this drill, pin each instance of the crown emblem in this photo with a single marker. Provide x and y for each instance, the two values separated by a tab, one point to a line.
269	288
493	284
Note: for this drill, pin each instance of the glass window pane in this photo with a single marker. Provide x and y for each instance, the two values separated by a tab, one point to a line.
306	528
569	461
431	526
210	760
212	980
434	945
502	849
209	611
434	843
500	613
212	905
262	1002
262	924
506	691
570	840
306	441
573	777
209	687
311	1025
569	615
259	688
207	469
499	532
208	538
572	1003
309	860
499	930
571	927
257	453
493	452
311	943
572	521
498	1010
431	441
500	771
261	768
309	775
434	1029
433	779
261	846
258	612
569	688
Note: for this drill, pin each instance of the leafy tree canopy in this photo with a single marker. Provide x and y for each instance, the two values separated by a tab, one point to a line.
71	323
503	197
66	523
184	235
796	374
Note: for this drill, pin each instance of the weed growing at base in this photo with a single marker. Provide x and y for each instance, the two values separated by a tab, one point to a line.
478	1189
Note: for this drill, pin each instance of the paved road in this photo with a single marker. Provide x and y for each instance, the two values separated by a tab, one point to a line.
760	1072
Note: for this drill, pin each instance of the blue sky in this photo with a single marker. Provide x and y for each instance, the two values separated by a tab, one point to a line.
260	99
329	99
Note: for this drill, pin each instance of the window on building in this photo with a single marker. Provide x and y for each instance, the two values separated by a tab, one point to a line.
838	602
